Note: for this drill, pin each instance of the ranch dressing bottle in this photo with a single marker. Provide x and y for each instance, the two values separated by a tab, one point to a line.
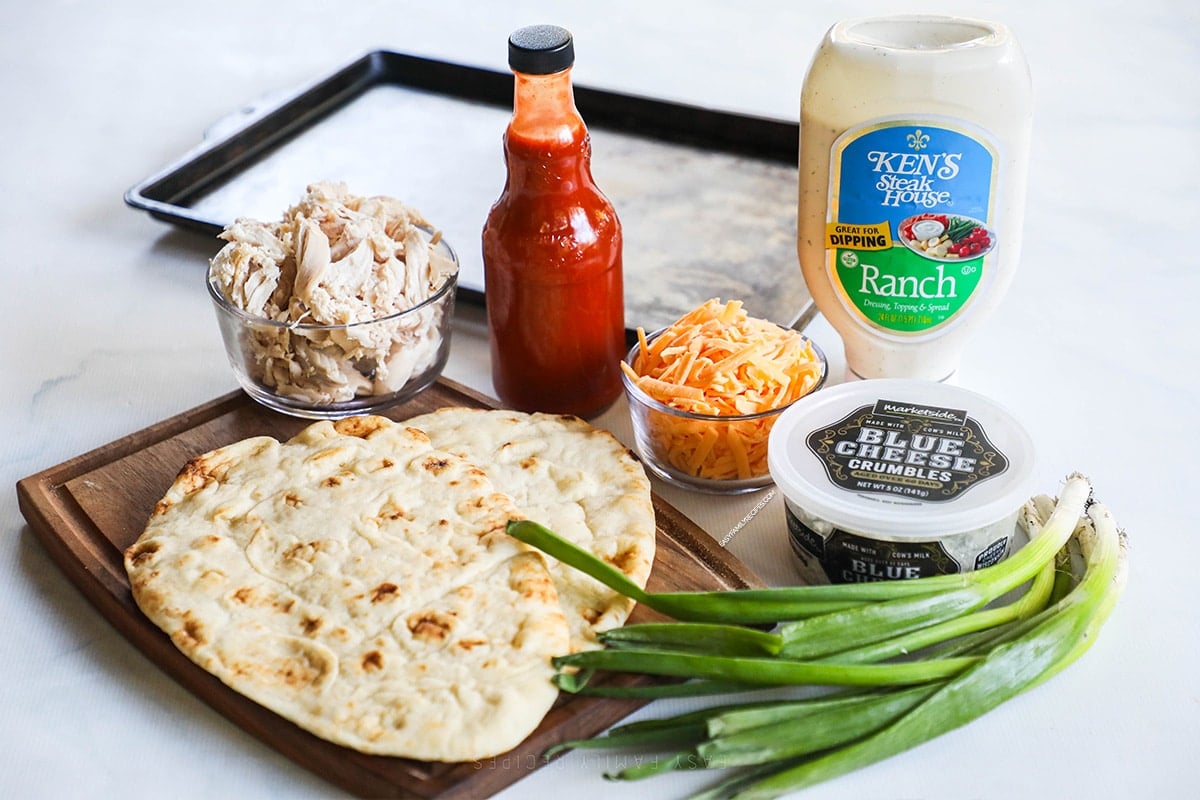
914	134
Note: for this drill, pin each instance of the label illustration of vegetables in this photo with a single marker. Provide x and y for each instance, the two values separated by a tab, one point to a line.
946	237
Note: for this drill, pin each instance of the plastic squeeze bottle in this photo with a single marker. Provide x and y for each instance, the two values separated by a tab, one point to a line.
914	137
552	247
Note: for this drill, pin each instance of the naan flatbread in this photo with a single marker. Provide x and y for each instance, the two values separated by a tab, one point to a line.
358	582
575	479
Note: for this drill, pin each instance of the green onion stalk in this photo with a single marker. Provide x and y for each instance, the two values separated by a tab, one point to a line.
911	659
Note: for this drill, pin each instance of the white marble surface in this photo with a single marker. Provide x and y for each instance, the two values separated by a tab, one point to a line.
108	331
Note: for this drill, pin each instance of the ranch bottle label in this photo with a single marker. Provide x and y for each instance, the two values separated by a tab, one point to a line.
910	224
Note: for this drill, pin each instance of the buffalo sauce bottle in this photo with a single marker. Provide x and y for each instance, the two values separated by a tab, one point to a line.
552	247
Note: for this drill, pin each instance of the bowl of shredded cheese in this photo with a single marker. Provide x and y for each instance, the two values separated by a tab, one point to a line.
705	391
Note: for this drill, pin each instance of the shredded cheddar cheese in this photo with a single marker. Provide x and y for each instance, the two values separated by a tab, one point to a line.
718	361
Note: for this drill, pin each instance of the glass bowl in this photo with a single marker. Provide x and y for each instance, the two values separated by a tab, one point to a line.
691	450
334	371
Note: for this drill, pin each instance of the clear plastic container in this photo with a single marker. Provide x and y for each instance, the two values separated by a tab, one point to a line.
896	479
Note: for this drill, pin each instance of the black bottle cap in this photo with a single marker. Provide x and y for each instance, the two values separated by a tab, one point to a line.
540	50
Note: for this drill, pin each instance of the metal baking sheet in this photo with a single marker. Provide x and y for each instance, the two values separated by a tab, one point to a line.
707	199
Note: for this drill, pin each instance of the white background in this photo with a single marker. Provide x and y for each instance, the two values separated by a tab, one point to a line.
106	329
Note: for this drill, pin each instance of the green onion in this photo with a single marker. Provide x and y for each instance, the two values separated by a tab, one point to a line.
657	766
843	630
799	735
1033	516
655	691
763	671
688	718
805	603
696	636
663	736
746	606
728	787
1059	636
729	720
926	656
1029	603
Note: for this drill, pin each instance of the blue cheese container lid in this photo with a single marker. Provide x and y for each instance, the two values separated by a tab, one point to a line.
902	458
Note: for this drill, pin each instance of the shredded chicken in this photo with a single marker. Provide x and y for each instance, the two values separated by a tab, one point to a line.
336	259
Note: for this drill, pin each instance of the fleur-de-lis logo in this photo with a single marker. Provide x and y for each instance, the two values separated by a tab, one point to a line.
917	140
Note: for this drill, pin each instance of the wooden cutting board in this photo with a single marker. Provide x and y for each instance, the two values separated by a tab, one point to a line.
87	510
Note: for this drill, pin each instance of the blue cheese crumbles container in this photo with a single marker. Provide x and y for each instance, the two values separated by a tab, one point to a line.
897	479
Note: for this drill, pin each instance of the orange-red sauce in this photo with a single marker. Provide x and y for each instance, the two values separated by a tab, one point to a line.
552	267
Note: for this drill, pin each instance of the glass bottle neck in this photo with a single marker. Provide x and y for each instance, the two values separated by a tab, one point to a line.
544	110
547	147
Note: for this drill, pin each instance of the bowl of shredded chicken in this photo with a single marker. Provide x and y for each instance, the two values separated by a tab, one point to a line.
341	307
